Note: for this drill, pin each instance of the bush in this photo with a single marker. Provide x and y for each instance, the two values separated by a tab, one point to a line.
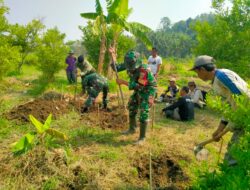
51	54
237	176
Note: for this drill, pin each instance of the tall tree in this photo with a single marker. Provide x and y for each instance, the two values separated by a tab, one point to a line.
8	54
227	39
118	13
26	38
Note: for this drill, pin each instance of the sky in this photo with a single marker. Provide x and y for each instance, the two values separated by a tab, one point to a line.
65	14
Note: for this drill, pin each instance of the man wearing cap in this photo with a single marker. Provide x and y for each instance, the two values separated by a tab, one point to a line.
143	83
225	83
85	67
71	69
93	84
171	92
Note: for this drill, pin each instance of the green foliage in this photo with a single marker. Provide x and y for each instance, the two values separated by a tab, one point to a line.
51	54
24	144
227	39
175	40
116	22
8	54
238	176
26	38
29	140
239	115
92	44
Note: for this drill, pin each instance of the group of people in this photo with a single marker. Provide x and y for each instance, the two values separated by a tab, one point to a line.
182	109
92	82
143	81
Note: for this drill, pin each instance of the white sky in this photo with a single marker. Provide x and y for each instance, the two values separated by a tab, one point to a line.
65	14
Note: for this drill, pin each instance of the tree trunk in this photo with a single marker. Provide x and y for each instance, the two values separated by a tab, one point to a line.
114	46
102	54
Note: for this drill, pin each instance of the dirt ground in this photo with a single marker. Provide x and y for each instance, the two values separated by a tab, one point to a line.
57	105
165	172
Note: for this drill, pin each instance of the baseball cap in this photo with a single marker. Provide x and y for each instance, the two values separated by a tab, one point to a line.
203	60
172	79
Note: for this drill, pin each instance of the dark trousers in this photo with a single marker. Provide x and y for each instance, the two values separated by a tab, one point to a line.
71	75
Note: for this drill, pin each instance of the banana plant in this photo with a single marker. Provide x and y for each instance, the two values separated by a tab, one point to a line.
27	142
117	16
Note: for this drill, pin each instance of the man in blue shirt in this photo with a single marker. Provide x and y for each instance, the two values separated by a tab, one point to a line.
225	83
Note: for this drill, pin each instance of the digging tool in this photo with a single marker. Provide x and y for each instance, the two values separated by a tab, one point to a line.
75	91
120	89
117	77
201	153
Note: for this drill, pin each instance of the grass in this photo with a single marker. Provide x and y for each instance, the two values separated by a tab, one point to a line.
99	158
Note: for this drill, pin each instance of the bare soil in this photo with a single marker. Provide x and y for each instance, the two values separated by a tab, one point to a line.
115	120
166	173
39	108
56	104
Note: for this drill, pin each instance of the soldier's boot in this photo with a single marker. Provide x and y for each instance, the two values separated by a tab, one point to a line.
84	109
132	126
106	108
142	137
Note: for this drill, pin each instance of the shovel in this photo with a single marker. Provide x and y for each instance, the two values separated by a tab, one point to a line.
200	152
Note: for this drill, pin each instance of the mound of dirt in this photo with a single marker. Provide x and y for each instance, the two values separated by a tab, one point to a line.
39	108
166	174
116	119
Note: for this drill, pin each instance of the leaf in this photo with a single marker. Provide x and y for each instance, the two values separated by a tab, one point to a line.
91	16
47	122
37	124
57	134
24	144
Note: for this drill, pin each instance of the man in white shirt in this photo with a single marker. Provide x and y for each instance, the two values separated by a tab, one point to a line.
154	62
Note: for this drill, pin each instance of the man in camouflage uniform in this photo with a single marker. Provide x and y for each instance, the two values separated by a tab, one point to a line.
85	67
143	83
93	83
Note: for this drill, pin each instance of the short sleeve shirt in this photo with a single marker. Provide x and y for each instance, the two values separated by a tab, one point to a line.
227	83
153	63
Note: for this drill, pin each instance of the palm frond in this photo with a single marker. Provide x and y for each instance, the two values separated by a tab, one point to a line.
140	31
113	18
118	6
98	7
91	16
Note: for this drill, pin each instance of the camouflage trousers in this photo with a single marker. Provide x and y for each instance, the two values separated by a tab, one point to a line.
94	92
139	100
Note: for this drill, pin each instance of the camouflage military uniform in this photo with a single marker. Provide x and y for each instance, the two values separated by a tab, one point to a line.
143	83
94	84
85	67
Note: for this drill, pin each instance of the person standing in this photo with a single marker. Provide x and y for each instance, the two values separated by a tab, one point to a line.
154	62
71	69
142	82
227	84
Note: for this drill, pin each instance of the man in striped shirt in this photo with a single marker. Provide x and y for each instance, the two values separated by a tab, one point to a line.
225	83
